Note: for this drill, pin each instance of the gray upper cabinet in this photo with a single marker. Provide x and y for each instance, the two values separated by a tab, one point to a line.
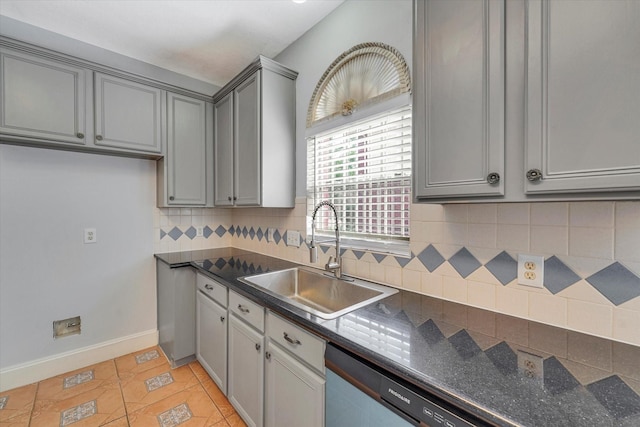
185	174
43	99
458	118
254	143
128	115
583	96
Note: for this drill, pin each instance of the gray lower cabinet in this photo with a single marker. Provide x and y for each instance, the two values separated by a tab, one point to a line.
185	174
458	118
254	139
583	96
43	99
128	115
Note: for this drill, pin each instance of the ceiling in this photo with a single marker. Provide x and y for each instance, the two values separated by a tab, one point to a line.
211	40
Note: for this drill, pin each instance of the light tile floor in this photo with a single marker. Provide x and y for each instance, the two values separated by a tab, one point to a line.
136	390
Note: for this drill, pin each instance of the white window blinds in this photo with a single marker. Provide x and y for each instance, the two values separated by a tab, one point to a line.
364	169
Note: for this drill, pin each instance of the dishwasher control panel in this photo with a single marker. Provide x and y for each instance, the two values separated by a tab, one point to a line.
417	406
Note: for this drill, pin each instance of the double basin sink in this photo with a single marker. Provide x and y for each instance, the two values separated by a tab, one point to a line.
319	293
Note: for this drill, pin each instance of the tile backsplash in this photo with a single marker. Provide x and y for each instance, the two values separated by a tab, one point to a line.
467	253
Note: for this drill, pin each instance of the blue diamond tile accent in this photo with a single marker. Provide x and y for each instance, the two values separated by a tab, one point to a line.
175	233
260	234
430	332
206	264
206	232
324	248
358	254
245	232
431	258
252	233
379	257
232	230
616	283
616	396
220	262
220	230
557	379
191	232
464	345
342	251
162	234
276	236
503	267
464	262
503	358
403	260
557	276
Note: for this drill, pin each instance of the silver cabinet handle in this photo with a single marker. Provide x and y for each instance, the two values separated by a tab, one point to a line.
493	178
208	287
222	318
258	346
243	309
99	137
534	175
80	135
267	355
290	340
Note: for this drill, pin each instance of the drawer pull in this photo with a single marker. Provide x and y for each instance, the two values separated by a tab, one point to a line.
290	340
208	287
80	135
267	355
534	175
258	346
243	309
222	318
493	178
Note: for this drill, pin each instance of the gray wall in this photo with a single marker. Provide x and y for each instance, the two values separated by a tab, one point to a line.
351	23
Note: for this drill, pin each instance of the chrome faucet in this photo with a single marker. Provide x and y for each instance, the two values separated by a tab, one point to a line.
331	265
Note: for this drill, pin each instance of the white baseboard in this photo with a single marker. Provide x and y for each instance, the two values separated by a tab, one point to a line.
47	367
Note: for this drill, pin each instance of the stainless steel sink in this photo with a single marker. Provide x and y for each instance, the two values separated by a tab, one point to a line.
318	293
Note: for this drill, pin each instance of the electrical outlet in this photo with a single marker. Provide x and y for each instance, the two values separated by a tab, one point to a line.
270	232
90	235
199	230
293	238
531	270
531	365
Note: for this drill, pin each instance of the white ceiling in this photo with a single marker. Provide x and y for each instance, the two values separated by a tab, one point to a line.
211	40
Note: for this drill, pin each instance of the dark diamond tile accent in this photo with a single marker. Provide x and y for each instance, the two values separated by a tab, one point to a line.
220	230
503	358
232	261
403	260
464	262
206	264
206	232
260	234
617	397
431	258
358	254
430	332
464	345
557	276
175	233
503	267
277	236
252	233
379	257
616	283
232	230
220	263
245	232
402	316
557	379
324	248
191	232
342	251
162	234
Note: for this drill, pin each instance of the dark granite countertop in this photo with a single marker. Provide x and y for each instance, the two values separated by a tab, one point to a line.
463	355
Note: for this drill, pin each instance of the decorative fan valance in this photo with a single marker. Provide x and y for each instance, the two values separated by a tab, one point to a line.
365	74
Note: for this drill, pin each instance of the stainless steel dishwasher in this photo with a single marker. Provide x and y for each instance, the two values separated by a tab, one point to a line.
358	394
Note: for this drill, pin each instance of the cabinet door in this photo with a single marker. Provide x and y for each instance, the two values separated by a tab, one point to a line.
294	394
458	120
223	151
186	155
583	96
247	171
42	99
211	339
128	115
246	371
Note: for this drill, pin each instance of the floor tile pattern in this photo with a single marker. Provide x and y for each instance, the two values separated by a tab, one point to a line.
115	394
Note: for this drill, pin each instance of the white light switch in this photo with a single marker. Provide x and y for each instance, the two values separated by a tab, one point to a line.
90	235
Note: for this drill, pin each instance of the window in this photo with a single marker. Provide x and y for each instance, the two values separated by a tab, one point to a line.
364	169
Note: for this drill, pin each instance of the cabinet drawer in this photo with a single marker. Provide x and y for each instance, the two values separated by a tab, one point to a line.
213	289
247	310
306	346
